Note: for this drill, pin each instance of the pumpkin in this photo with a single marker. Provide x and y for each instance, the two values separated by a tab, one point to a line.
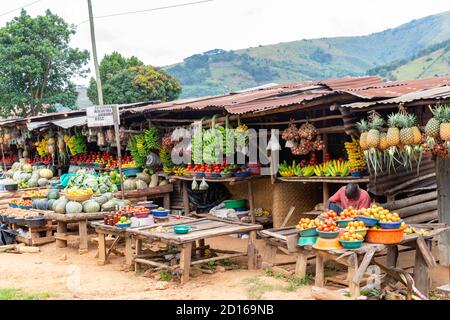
163	182
46	173
16	166
144	177
16	175
32	183
40	204
53	194
42	182
25	176
154	181
26	167
140	184
108	195
73	207
59	206
129	184
109	205
50	204
101	199
91	206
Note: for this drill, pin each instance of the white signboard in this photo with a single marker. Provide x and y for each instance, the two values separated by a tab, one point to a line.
100	116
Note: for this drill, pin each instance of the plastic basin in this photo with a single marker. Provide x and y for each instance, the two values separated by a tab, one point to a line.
390	225
384	236
160	213
131	172
311	232
370	222
123	225
362	232
328	235
343	223
351	244
327	244
307	241
233	204
182	229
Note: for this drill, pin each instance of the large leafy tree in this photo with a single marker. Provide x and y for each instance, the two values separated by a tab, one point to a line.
128	80
37	65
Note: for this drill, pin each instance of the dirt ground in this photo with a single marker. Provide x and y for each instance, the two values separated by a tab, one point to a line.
67	275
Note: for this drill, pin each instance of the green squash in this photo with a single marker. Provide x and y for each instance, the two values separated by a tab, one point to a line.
91	206
40	204
42	182
53	194
50	204
73	207
59	206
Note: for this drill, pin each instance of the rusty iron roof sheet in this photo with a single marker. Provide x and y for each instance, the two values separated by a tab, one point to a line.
433	93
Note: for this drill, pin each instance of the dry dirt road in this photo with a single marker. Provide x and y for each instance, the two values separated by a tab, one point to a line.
67	275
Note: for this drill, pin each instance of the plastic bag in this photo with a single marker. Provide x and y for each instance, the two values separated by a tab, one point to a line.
194	185
203	185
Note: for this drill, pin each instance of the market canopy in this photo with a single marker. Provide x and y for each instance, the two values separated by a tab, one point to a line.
65	123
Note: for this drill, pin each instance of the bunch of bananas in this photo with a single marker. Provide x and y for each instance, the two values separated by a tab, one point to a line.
320	170
355	154
286	170
338	168
179	171
75	143
41	146
308	171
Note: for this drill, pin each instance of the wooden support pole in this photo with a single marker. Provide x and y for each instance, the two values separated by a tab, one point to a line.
82	229
443	188
251	251
185	261
251	201
61	229
186	207
320	272
102	249
300	265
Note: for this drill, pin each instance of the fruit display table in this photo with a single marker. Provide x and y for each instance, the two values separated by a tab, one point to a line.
62	220
232	180
119	233
200	229
149	193
356	260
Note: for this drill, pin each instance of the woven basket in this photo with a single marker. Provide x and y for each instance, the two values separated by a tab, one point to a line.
302	196
79	198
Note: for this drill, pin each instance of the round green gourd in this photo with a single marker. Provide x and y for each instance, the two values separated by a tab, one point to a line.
50	204
53	194
42	182
91	206
73	207
140	184
129	184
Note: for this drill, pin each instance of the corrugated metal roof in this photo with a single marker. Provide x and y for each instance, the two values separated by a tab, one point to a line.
397	88
352	83
434	93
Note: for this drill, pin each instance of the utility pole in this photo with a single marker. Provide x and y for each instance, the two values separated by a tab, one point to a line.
94	53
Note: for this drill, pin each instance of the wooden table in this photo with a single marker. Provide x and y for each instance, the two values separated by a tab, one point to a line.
201	229
356	260
62	236
232	180
149	193
120	233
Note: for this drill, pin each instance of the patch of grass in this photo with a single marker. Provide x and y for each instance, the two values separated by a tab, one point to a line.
165	276
212	265
17	294
226	263
330	270
293	282
257	287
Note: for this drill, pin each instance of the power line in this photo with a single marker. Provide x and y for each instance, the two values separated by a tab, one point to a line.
146	10
24	6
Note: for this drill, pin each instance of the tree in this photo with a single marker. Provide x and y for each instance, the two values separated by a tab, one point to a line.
128	80
37	65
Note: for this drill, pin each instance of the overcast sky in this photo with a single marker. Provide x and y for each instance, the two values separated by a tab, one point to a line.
167	36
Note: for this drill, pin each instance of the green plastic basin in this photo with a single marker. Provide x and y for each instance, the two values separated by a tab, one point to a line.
311	232
233	204
307	241
351	244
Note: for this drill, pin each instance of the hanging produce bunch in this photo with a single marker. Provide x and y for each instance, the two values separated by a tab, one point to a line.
241	136
76	143
141	145
437	132
400	144
41	146
356	158
303	140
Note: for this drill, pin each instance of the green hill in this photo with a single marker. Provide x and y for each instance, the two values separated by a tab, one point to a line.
219	71
431	62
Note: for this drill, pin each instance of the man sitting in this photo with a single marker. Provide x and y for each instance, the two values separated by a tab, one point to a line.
350	195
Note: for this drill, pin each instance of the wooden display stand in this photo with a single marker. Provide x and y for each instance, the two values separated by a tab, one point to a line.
357	260
62	220
201	229
35	235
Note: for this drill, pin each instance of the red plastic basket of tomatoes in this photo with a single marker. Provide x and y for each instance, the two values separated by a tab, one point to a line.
140	212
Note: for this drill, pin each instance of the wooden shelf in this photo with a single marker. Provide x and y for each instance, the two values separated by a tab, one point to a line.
218	180
342	180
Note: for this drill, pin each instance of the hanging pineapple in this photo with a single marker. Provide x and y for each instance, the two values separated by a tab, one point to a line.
393	141
373	136
432	128
363	128
444	128
406	133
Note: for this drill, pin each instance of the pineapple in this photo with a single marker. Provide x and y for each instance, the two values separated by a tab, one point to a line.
444	128
416	131
432	127
373	136
393	134
363	127
406	132
383	141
